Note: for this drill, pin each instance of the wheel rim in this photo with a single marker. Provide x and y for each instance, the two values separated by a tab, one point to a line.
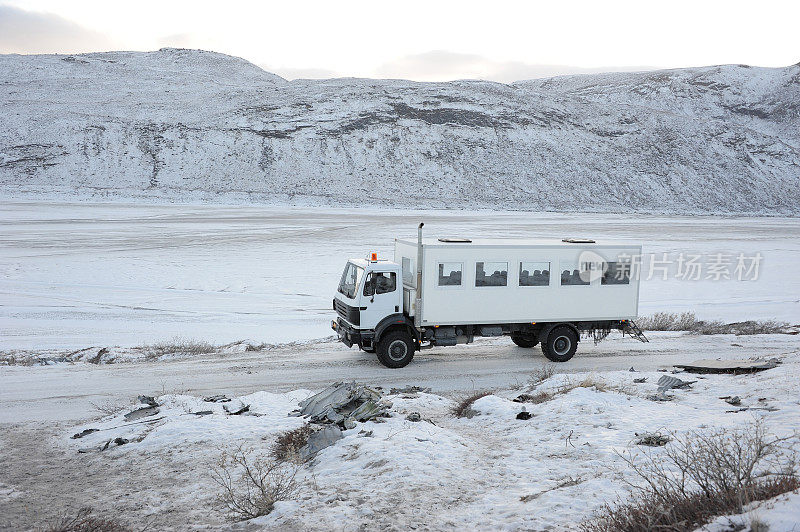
562	345
398	350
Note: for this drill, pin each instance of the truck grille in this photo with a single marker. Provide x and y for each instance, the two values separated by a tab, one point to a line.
348	313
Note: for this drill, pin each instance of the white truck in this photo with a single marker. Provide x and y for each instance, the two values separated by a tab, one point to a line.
447	291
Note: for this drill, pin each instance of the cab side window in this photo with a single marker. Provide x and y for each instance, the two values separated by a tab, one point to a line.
384	282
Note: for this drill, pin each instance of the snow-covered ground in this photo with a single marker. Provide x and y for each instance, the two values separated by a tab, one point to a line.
78	279
490	472
74	275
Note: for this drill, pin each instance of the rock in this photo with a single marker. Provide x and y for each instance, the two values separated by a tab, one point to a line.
349	424
523	398
734	401
141	413
239	411
729	366
667	382
202	413
104	446
320	440
216	399
409	389
524	415
414	416
342	401
83	433
96	359
640	380
661	396
147	400
652	439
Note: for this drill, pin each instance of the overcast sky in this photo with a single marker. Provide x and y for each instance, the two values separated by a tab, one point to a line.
422	40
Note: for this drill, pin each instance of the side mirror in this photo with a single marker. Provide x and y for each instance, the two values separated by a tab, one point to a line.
370	285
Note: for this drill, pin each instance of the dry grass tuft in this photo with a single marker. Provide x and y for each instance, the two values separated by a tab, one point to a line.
176	346
686	321
287	446
590	381
699	477
542	374
464	406
541	397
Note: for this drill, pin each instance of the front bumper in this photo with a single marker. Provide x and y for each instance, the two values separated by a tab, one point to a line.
349	335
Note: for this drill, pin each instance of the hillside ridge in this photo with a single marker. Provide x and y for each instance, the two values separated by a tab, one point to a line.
178	125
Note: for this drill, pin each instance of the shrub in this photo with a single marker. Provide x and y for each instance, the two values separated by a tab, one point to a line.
464	406
84	521
699	477
250	487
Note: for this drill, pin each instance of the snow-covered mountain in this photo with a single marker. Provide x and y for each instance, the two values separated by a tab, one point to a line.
184	124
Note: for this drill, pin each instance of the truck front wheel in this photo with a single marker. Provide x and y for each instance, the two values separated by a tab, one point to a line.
524	341
395	349
561	344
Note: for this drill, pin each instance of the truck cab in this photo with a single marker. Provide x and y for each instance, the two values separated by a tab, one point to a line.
369	303
369	291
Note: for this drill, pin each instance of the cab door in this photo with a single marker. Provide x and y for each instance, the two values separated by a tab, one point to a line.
380	297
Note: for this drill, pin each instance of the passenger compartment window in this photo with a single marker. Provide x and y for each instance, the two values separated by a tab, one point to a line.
616	273
491	274
384	283
534	274
570	275
450	273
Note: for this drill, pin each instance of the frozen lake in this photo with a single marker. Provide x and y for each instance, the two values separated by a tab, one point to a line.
79	274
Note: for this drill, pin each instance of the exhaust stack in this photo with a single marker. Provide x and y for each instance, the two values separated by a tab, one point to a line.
418	298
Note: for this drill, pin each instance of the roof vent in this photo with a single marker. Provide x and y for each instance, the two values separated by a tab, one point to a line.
578	240
456	240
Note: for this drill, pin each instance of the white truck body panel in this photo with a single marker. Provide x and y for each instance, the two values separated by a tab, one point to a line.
467	303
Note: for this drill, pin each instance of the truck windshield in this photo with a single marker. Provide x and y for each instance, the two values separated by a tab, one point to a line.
350	280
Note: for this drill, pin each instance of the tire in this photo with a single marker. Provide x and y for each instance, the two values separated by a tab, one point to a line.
524	341
561	344
395	349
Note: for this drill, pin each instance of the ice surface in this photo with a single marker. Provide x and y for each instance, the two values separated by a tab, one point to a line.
74	275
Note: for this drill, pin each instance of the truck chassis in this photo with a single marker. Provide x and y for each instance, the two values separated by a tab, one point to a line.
395	339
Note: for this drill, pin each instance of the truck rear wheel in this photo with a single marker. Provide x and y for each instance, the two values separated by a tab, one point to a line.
561	344
395	349
524	341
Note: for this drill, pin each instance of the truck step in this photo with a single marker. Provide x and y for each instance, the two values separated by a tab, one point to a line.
633	330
